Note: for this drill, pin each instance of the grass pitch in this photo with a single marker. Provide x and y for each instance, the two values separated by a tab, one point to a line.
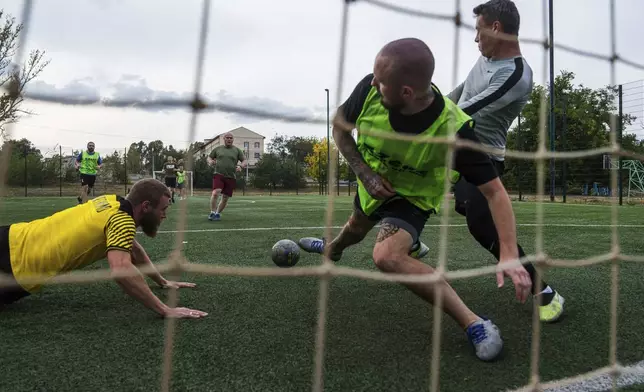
260	333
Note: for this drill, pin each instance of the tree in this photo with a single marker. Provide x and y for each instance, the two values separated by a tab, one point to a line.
292	175
587	124
134	159
202	173
297	147
277	146
317	162
25	163
140	156
14	78
317	167
51	168
112	169
267	171
170	151
153	155
273	171
346	173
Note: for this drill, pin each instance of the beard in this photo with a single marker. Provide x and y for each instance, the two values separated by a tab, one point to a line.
392	106
150	224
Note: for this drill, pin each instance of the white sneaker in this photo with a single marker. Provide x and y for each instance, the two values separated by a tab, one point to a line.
486	339
316	245
419	250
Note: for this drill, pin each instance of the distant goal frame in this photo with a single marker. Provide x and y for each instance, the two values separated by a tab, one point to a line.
159	175
635	168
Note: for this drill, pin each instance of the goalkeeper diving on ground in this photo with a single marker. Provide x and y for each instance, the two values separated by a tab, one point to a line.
76	237
401	183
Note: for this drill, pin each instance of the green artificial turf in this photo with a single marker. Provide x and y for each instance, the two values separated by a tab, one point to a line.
260	333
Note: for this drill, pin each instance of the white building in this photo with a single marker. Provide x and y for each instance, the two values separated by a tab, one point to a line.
252	143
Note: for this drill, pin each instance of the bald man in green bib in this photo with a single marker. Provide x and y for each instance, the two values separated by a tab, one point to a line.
401	183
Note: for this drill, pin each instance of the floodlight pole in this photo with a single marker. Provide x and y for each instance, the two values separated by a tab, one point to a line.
328	139
620	133
247	161
552	98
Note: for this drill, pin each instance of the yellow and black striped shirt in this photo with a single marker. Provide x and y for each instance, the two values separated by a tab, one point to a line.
70	239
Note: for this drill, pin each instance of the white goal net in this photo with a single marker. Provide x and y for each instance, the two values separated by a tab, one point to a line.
327	272
187	184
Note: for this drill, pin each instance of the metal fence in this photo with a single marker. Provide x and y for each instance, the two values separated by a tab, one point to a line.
586	178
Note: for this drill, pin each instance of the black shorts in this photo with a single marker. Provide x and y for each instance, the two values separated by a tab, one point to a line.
180	185
88	179
468	196
14	292
171	182
400	212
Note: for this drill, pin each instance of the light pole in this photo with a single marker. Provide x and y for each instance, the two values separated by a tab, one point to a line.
552	98
247	160
328	139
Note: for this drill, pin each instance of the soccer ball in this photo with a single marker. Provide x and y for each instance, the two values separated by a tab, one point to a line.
285	253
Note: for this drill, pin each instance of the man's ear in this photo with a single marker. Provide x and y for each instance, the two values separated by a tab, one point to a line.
496	27
145	206
407	91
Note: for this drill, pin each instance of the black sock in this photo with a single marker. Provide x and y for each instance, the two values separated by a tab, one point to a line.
544	298
482	227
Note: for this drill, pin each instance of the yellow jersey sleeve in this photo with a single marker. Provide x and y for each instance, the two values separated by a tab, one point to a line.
120	232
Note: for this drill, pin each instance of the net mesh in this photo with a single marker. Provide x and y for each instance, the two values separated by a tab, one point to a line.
176	263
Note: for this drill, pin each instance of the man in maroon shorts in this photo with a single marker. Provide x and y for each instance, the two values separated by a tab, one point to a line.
224	159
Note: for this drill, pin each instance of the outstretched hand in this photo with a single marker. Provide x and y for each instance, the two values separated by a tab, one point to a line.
184	313
177	285
520	278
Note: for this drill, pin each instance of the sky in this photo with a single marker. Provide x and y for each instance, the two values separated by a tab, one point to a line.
277	56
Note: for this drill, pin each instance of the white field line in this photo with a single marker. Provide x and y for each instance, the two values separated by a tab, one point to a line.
632	375
303	200
234	229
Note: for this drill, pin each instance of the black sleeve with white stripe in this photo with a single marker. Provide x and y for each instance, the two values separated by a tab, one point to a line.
506	86
475	166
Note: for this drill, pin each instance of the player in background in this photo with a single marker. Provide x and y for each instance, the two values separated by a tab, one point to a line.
87	163
76	237
493	94
401	183
224	158
181	178
170	172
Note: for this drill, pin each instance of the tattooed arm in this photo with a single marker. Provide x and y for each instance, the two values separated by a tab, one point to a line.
343	124
375	185
347	144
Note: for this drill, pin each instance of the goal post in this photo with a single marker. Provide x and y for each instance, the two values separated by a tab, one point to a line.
188	183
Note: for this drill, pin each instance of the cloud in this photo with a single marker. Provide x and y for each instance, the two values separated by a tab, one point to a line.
133	91
135	88
81	89
264	105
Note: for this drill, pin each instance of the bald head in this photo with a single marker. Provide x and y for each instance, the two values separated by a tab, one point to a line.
403	74
228	139
408	62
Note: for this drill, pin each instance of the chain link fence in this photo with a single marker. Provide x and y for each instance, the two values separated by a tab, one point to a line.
51	171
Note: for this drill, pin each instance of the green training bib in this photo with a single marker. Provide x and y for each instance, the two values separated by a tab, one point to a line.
416	170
